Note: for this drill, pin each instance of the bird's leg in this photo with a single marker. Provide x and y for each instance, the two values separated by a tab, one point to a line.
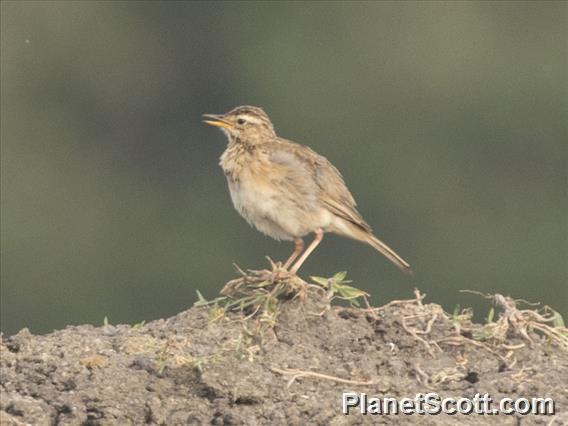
279	271
317	239
298	248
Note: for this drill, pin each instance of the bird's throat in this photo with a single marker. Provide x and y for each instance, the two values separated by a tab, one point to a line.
235	158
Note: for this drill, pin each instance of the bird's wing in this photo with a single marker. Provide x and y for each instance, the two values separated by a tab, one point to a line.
333	192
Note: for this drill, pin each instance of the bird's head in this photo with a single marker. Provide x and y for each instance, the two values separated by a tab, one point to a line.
247	124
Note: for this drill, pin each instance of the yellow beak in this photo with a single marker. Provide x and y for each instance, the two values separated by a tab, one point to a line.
217	121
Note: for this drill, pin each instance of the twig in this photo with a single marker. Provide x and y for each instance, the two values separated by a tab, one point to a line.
301	373
419	296
460	340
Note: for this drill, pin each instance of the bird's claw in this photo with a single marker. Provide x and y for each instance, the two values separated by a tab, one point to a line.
275	274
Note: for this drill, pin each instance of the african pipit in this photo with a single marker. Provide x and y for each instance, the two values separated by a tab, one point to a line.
287	190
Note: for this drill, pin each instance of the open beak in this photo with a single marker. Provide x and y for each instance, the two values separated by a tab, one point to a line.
217	121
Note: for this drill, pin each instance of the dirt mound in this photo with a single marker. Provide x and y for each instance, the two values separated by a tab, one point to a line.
210	366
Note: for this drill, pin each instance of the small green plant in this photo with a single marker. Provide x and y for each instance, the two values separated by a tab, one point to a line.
195	362
482	334
456	313
262	298
139	325
256	299
557	320
338	288
461	316
162	357
216	313
490	315
202	301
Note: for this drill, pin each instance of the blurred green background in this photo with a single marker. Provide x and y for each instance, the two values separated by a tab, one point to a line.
447	120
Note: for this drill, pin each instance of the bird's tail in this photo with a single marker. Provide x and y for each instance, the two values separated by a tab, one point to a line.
363	235
389	253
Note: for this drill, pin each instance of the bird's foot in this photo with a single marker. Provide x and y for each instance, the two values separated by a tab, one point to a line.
265	280
260	278
276	274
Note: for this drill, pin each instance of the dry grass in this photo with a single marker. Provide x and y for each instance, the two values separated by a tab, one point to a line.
257	297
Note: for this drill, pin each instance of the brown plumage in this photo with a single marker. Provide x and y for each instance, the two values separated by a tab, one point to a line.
287	190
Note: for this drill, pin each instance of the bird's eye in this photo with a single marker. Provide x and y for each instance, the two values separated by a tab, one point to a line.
241	121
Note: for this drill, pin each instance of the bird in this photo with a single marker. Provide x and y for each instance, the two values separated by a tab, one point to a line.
286	190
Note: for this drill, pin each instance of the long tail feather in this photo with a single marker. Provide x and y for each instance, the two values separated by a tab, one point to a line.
390	254
363	235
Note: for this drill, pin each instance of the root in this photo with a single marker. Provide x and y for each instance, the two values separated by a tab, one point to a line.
496	338
414	333
522	323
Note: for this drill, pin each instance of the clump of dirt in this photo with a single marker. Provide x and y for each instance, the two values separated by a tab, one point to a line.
209	365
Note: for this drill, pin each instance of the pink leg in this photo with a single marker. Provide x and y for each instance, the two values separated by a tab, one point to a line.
317	239
298	248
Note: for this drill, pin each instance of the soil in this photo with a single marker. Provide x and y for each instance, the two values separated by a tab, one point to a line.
202	367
